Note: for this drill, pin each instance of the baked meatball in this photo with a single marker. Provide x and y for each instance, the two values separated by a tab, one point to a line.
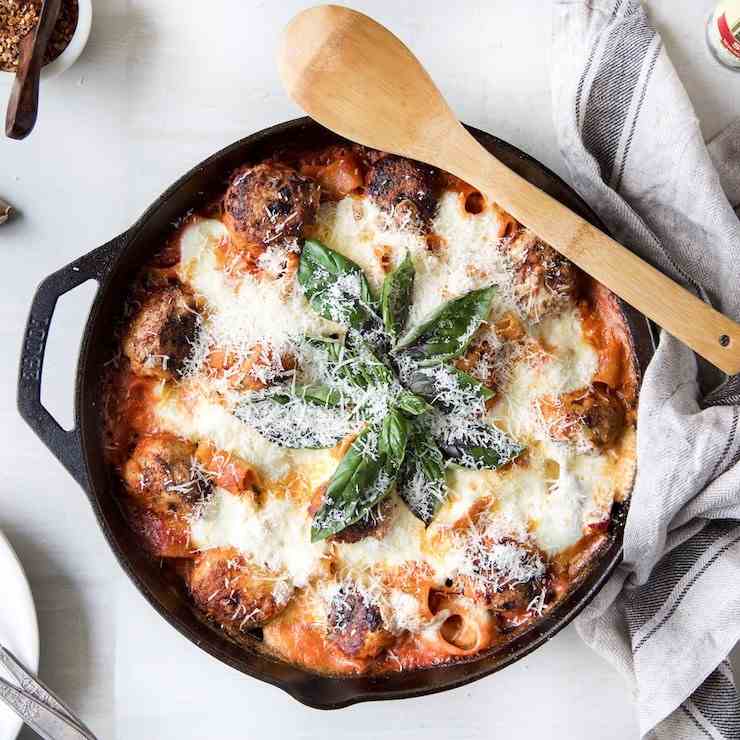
161	334
488	586
237	594
269	204
544	280
404	188
356	625
161	475
593	416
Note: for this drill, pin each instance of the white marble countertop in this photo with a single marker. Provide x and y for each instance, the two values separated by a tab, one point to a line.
161	85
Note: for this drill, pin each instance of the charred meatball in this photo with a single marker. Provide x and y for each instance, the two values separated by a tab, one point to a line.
269	204
160	336
237	594
544	280
404	188
162	475
356	625
593	416
502	575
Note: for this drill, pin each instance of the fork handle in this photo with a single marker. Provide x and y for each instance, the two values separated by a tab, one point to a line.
43	720
38	690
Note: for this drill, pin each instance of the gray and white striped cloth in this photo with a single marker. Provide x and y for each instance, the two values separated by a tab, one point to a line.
671	614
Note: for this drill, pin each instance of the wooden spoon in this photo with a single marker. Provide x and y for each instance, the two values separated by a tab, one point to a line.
23	105
356	78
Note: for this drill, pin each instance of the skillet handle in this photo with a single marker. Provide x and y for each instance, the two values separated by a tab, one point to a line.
64	445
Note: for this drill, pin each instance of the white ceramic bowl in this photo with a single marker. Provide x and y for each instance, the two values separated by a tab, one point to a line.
69	56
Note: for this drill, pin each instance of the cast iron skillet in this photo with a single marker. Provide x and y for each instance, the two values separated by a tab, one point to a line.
113	266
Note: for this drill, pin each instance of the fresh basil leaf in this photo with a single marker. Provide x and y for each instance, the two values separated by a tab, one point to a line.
448	388
354	361
335	286
361	365
362	479
412	404
394	436
395	296
321	395
447	331
331	347
422	483
473	444
296	421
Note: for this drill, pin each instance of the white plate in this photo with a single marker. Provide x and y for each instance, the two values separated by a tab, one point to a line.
19	629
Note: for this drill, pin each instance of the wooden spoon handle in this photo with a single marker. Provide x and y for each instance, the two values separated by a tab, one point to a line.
23	104
707	331
355	77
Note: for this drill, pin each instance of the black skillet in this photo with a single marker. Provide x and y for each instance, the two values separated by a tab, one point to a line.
113	266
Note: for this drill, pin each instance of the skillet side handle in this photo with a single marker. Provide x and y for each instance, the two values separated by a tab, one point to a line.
64	445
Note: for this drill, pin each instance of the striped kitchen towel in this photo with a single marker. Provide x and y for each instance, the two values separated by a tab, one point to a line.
671	614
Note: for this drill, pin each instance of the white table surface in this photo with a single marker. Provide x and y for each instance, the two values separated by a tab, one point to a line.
162	84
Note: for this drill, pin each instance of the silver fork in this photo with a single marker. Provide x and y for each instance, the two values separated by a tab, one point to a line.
37	705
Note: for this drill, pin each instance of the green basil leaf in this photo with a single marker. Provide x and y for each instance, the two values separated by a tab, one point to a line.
394	436
354	361
473	444
361	365
395	297
412	404
307	420
331	347
362	479
335	286
321	395
422	483
448	388
447	332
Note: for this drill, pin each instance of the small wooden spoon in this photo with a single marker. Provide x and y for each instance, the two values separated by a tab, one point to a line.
356	78
24	98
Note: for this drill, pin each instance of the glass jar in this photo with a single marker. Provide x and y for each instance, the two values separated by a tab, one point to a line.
723	33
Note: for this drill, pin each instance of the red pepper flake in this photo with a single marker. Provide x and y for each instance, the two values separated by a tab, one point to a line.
19	17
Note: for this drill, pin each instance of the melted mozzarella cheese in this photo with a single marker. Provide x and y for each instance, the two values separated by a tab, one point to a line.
469	259
201	419
276	535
